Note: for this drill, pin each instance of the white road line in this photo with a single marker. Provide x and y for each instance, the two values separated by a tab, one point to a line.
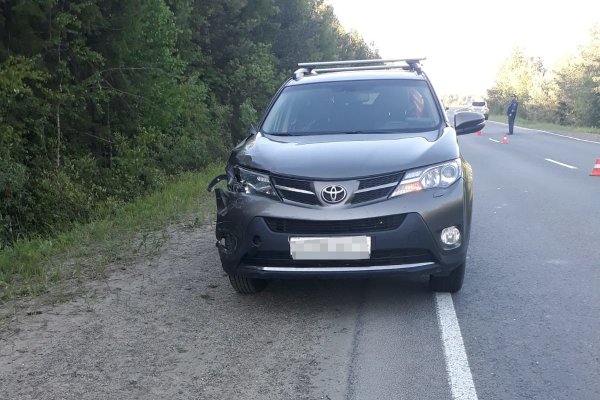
559	163
457	364
564	136
551	133
494	140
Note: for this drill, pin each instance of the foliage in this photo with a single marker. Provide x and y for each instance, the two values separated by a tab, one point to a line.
521	75
121	232
569	94
548	126
103	101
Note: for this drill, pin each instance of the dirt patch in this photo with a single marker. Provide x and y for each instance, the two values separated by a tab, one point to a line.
171	327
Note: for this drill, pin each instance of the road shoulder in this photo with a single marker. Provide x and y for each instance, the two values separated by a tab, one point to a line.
592	137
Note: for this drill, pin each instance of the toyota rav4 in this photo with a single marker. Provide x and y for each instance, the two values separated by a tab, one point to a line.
354	170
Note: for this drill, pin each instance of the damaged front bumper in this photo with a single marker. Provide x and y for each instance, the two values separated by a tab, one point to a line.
253	234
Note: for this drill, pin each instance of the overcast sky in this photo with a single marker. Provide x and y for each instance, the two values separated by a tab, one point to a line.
465	41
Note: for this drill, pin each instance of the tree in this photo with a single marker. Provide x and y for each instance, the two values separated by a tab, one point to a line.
520	75
569	94
101	101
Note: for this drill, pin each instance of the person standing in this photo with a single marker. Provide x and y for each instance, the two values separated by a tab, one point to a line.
512	113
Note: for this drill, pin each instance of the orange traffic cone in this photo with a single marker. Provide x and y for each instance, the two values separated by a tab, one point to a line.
478	133
505	140
596	169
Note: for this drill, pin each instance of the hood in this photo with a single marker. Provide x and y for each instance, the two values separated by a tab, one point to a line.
344	156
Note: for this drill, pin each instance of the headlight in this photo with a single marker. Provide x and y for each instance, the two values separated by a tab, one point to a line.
253	183
437	176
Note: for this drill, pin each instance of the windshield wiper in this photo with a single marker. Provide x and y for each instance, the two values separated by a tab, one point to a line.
359	132
365	132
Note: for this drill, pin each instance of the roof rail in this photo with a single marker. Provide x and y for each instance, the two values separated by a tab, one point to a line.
312	68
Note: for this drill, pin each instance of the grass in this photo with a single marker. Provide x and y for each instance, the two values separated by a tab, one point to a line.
31	266
547	126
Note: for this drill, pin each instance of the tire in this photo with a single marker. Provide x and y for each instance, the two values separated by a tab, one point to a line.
450	283
244	285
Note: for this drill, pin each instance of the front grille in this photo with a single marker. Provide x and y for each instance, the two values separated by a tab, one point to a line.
303	191
304	198
378	258
379	180
298	226
293	183
376	194
286	186
363	197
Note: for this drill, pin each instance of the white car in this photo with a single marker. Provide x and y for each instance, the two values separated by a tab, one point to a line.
480	106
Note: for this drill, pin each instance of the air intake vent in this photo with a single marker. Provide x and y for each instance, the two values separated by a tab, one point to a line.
350	226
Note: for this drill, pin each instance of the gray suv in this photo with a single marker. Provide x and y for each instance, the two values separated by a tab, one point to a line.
354	170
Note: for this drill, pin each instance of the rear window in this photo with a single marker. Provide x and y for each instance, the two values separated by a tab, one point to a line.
479	103
370	106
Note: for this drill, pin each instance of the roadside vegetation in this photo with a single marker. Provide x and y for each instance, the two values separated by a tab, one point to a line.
104	102
121	234
568	95
546	126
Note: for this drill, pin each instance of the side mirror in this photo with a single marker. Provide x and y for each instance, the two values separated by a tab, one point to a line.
251	130
215	182
468	122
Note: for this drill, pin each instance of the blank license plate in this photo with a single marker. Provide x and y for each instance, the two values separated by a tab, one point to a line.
331	248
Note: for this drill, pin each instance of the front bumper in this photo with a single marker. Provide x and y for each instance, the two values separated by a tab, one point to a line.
251	243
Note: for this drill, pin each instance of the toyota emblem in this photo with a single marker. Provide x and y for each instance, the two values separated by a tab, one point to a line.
333	194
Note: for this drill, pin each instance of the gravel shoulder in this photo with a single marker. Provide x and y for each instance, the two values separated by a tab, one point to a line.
172	327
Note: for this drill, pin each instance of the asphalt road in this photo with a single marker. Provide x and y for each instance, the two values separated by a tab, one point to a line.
529	312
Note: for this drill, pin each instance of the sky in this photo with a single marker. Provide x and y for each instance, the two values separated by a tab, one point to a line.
466	41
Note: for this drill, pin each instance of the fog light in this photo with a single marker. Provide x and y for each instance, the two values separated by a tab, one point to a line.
451	236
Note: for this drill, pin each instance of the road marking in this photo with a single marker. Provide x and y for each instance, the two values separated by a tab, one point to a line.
457	364
564	136
551	133
494	140
559	163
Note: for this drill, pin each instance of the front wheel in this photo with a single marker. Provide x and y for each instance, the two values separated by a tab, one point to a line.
245	285
449	283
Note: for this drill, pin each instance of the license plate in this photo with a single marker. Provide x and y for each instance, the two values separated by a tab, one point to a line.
331	248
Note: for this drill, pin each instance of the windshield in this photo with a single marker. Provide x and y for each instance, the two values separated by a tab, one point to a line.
370	106
479	103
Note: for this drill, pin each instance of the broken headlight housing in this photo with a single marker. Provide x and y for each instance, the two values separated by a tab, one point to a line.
250	182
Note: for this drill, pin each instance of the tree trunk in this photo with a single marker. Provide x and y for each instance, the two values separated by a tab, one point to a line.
58	132
58	135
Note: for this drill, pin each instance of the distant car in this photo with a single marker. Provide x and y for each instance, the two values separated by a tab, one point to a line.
480	106
353	170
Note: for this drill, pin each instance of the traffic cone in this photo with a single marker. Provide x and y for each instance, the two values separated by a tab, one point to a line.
478	133
505	140
596	169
